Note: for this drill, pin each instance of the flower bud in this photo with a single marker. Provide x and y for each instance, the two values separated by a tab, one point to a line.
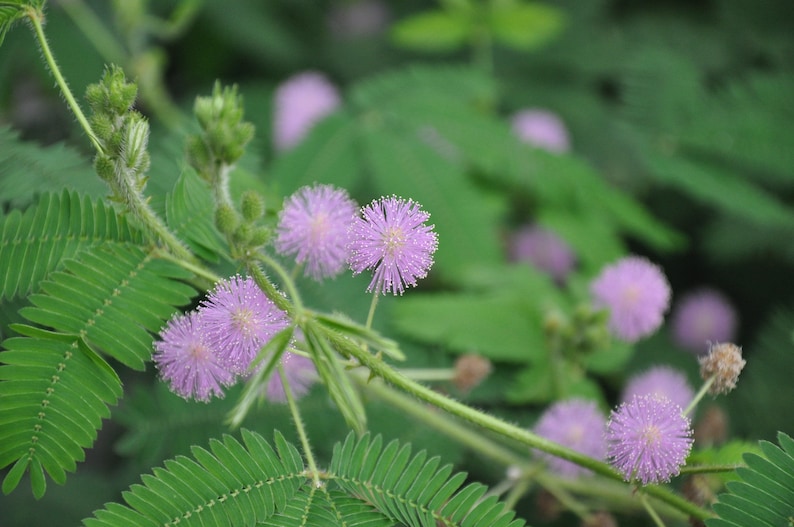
226	219
724	363
260	236
133	147
105	167
252	205
712	427
470	370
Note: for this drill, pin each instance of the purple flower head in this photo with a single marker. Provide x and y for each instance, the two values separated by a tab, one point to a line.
660	381
300	372
391	237
238	319
637	295
648	439
544	250
313	226
578	425
300	102
542	129
702	317
187	363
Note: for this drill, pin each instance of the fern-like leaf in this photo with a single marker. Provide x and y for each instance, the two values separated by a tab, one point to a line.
113	296
230	484
54	393
245	483
186	211
765	496
36	242
26	168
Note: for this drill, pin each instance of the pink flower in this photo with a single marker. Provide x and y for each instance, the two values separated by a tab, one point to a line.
578	425
313	226
301	375
391	238
703	317
636	293
660	381
187	363
300	102
544	250
542	129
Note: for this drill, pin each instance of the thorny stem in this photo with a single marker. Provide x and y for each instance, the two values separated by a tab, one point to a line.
36	17
507	430
296	417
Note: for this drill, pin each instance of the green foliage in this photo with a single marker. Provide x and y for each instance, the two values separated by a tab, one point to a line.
36	242
27	168
435	30
765	496
242	483
9	15
186	213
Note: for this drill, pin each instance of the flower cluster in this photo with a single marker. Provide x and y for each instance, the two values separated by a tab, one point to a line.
391	238
648	440
202	351
636	293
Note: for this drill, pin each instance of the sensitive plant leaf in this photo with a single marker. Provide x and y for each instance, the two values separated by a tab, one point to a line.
26	168
765	494
55	393
188	209
242	483
9	15
433	31
329	154
36	242
114	297
525	26
504	327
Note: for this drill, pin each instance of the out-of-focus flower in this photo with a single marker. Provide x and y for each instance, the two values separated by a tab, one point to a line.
648	440
542	249
313	226
660	381
636	293
237	319
576	424
724	362
300	102
542	129
702	317
364	18
301	375
187	363
470	370
391	238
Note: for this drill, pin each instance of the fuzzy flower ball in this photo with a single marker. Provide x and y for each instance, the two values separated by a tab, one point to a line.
301	375
187	363
702	317
648	440
542	129
544	250
313	226
238	319
636	293
391	238
300	102
578	425
660	381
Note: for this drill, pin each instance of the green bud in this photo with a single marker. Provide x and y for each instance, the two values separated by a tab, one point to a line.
260	236
252	205
95	94
226	219
134	144
105	167
102	126
243	235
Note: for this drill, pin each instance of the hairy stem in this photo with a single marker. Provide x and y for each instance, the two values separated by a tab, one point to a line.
296	417
36	17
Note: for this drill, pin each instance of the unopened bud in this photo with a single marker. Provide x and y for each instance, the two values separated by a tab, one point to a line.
105	167
724	363
696	489
226	219
712	427
260	236
252	205
470	370
133	147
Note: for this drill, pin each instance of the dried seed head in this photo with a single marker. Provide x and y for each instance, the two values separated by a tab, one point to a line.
723	362
470	370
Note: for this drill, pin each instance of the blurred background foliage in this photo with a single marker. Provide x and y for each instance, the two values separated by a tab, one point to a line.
680	116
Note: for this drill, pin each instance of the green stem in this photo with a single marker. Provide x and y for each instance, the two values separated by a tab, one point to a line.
520	435
709	469
651	512
270	290
36	17
372	306
286	281
296	417
516	493
698	396
194	268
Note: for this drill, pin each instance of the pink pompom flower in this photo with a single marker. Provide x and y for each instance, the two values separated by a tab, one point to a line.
660	381
300	102
542	129
544	250
702	317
